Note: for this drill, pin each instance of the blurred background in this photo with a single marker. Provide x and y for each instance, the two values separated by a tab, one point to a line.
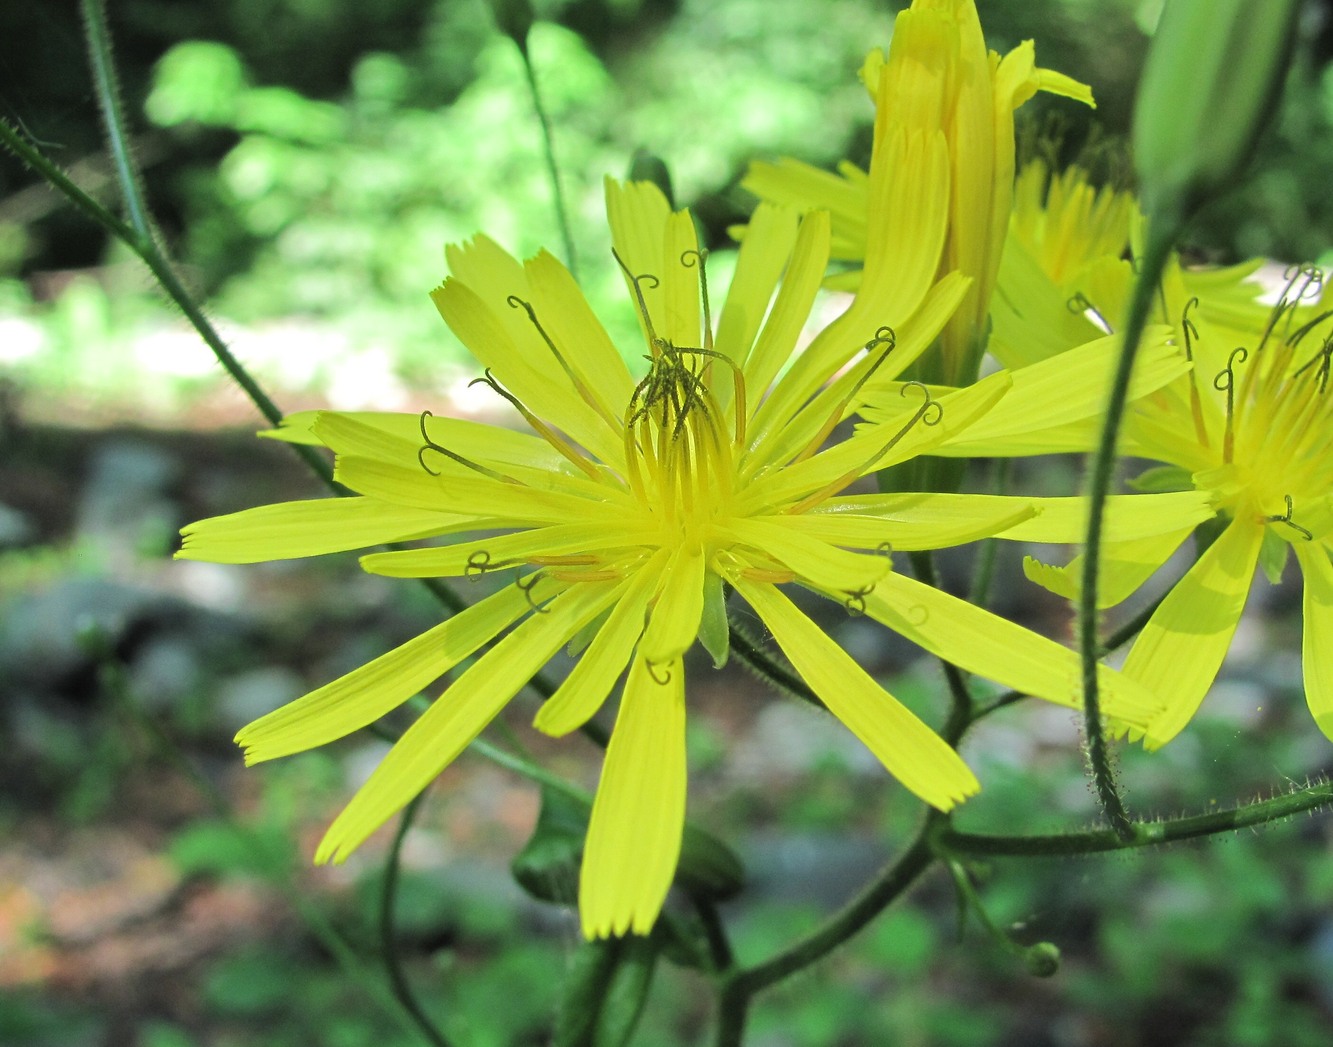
306	160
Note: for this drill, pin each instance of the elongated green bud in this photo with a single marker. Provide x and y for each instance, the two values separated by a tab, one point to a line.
1214	72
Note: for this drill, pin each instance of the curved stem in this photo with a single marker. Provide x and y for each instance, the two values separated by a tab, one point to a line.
398	982
875	897
98	37
552	167
1100	470
1145	834
753	654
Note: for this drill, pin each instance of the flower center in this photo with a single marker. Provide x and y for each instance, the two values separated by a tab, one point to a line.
678	452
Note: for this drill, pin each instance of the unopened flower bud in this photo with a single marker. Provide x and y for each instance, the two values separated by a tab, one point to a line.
1210	85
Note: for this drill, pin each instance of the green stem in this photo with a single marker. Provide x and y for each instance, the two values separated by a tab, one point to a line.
960	697
552	166
875	897
398	982
979	595
1100	472
1145	834
157	264
772	671
98	37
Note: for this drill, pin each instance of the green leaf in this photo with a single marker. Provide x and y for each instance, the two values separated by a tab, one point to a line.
714	632
1273	555
605	992
548	866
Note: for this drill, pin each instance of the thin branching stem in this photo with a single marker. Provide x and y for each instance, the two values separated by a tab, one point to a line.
98	36
402	988
1101	470
1146	833
738	988
552	165
960	697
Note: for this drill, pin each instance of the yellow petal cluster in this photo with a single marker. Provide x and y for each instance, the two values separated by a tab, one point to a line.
635	495
941	84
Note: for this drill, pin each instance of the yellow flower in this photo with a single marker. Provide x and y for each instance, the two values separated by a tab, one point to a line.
1064	279
1254	428
633	506
938	80
1247	425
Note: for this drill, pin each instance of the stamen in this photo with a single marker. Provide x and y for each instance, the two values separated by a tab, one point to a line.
1321	358
1080	305
1190	332
515	302
541	428
1225	381
702	256
430	445
1311	280
883	336
1286	519
652	666
526	585
655	344
929	413
855	604
479	563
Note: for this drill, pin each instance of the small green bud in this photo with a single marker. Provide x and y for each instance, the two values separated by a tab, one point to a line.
1042	960
1214	72
708	866
514	18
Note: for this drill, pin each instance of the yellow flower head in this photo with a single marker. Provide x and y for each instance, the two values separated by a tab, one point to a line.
630	508
939	81
1252	426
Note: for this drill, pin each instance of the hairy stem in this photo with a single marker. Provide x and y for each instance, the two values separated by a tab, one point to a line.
1101	469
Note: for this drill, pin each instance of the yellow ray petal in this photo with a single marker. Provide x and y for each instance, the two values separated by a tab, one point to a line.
809	557
1317	643
514	504
799	185
499	333
634	835
459	715
582	692
678	270
365	694
638	213
768	244
873	447
1181	648
491	445
791	309
990	646
313	528
680	606
905	522
506	550
575	329
1128	517
909	750
778	435
1125	566
1064	390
